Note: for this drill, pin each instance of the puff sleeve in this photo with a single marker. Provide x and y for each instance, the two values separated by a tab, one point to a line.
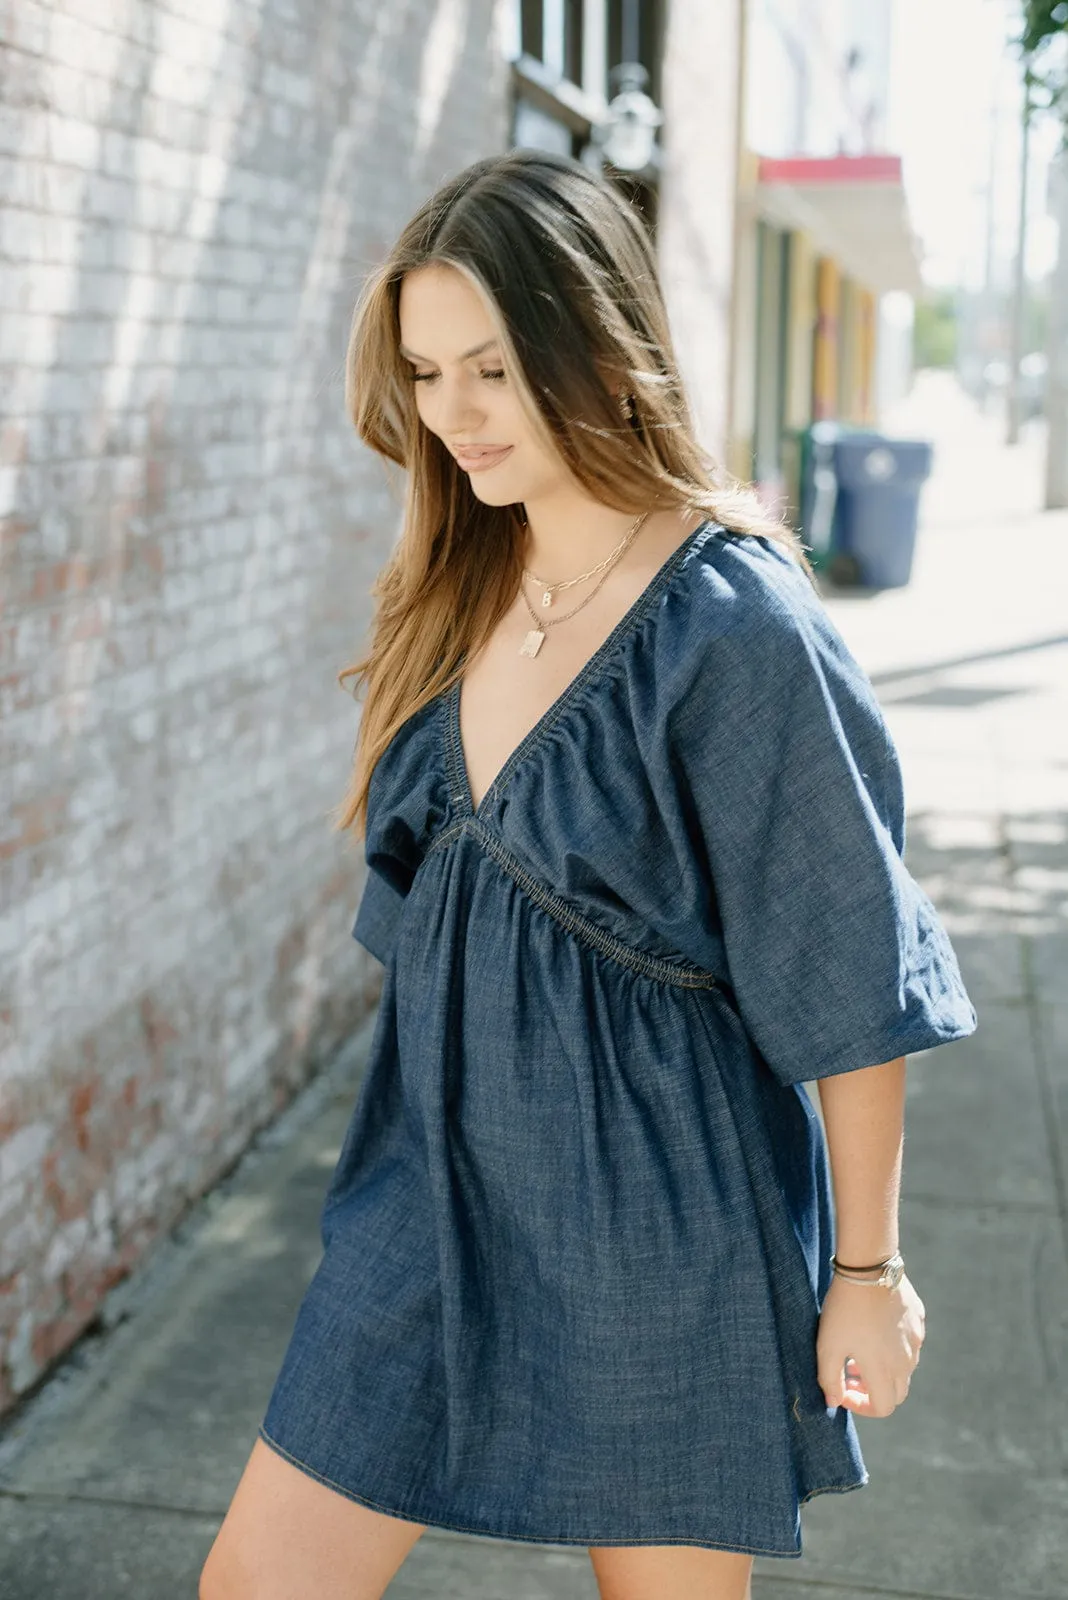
378	916
836	956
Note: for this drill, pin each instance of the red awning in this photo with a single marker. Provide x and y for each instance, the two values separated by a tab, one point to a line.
853	208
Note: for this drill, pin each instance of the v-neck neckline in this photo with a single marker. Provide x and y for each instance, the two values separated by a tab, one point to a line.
459	783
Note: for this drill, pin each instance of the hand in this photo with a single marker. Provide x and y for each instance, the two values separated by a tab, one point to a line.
868	1345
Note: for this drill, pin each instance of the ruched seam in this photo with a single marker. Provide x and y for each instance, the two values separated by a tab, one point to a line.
683	976
627	626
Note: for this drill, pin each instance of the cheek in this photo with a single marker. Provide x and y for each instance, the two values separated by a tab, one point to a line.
512	423
538	453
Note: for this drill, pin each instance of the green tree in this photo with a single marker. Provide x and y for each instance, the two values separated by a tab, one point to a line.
934	332
1043	41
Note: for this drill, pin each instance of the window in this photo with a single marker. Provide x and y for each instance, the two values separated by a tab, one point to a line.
636	33
580	41
532	29
562	53
573	31
557	33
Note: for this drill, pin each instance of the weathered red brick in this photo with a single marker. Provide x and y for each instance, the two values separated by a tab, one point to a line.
180	584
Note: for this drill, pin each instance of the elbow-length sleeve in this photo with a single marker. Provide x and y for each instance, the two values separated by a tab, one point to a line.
378	916
392	853
836	956
401	806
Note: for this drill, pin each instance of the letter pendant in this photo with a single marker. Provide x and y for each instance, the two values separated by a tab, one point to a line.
532	643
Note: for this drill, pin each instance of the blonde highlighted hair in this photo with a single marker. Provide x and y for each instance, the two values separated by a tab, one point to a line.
567	270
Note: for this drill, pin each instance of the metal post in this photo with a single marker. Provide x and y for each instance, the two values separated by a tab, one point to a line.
982	315
1019	291
1056	496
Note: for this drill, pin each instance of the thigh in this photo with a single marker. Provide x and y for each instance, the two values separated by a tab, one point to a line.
286	1535
670	1572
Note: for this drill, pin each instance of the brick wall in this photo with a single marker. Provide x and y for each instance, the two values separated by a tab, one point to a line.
188	529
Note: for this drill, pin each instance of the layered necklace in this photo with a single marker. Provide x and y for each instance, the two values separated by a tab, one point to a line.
535	638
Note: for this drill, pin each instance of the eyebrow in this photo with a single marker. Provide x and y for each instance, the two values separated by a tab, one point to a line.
467	355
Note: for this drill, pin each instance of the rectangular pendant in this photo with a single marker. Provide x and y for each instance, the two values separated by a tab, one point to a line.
532	643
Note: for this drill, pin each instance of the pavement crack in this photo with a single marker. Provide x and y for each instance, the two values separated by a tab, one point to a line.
972	1203
852	1589
112	1502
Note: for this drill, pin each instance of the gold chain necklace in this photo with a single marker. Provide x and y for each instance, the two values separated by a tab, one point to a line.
551	588
535	637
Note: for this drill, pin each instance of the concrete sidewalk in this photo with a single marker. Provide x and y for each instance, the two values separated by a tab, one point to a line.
113	1481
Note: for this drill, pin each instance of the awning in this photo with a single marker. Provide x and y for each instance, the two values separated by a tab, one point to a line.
853	208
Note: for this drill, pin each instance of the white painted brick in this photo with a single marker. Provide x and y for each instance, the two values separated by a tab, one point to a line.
182	313
21	1151
27	27
74	143
88	49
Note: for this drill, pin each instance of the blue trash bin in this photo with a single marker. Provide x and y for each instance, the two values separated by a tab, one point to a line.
818	490
877	507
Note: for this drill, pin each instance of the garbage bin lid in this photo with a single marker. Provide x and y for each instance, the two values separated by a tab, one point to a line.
871	459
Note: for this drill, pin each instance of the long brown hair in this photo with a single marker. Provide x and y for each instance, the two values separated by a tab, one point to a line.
568	273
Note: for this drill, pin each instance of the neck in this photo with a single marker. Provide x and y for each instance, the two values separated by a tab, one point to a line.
568	533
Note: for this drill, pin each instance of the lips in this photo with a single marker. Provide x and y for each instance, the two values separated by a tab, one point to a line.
477	457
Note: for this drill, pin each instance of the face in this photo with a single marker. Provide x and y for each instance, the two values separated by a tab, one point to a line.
462	393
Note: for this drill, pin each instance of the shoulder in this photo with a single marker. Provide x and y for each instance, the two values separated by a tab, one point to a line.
750	630
743	600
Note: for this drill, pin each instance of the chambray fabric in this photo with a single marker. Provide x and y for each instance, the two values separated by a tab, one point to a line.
578	1234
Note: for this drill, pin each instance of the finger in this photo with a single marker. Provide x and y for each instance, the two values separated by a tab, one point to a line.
882	1400
831	1380
855	1394
878	1398
843	1385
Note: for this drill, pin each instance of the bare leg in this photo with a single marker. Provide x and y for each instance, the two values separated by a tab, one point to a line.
287	1537
670	1572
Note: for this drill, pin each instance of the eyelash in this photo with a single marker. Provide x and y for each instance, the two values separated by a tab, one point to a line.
495	376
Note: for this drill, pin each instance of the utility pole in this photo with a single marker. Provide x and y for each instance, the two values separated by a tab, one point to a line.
983	317
1057	346
1019	291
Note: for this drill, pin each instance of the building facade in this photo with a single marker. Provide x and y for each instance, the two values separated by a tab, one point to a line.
188	535
823	230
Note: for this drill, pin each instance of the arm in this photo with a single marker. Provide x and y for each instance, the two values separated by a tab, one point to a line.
864	1116
878	1330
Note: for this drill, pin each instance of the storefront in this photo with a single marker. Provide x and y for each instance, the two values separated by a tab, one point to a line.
830	235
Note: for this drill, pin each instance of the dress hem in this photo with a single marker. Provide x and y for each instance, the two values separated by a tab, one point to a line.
432	1521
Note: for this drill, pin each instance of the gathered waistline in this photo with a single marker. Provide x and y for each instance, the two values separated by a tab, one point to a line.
683	975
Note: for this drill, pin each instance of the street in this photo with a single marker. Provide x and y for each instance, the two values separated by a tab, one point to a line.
113	1480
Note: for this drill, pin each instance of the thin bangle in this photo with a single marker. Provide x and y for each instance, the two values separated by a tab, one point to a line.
876	1266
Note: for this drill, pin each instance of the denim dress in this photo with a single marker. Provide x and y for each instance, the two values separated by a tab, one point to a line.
578	1235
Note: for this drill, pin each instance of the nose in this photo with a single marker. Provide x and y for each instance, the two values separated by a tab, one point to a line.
458	411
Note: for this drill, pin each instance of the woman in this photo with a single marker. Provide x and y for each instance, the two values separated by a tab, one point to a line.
634	827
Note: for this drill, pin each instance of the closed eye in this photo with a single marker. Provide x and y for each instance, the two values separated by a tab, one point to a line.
496	375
